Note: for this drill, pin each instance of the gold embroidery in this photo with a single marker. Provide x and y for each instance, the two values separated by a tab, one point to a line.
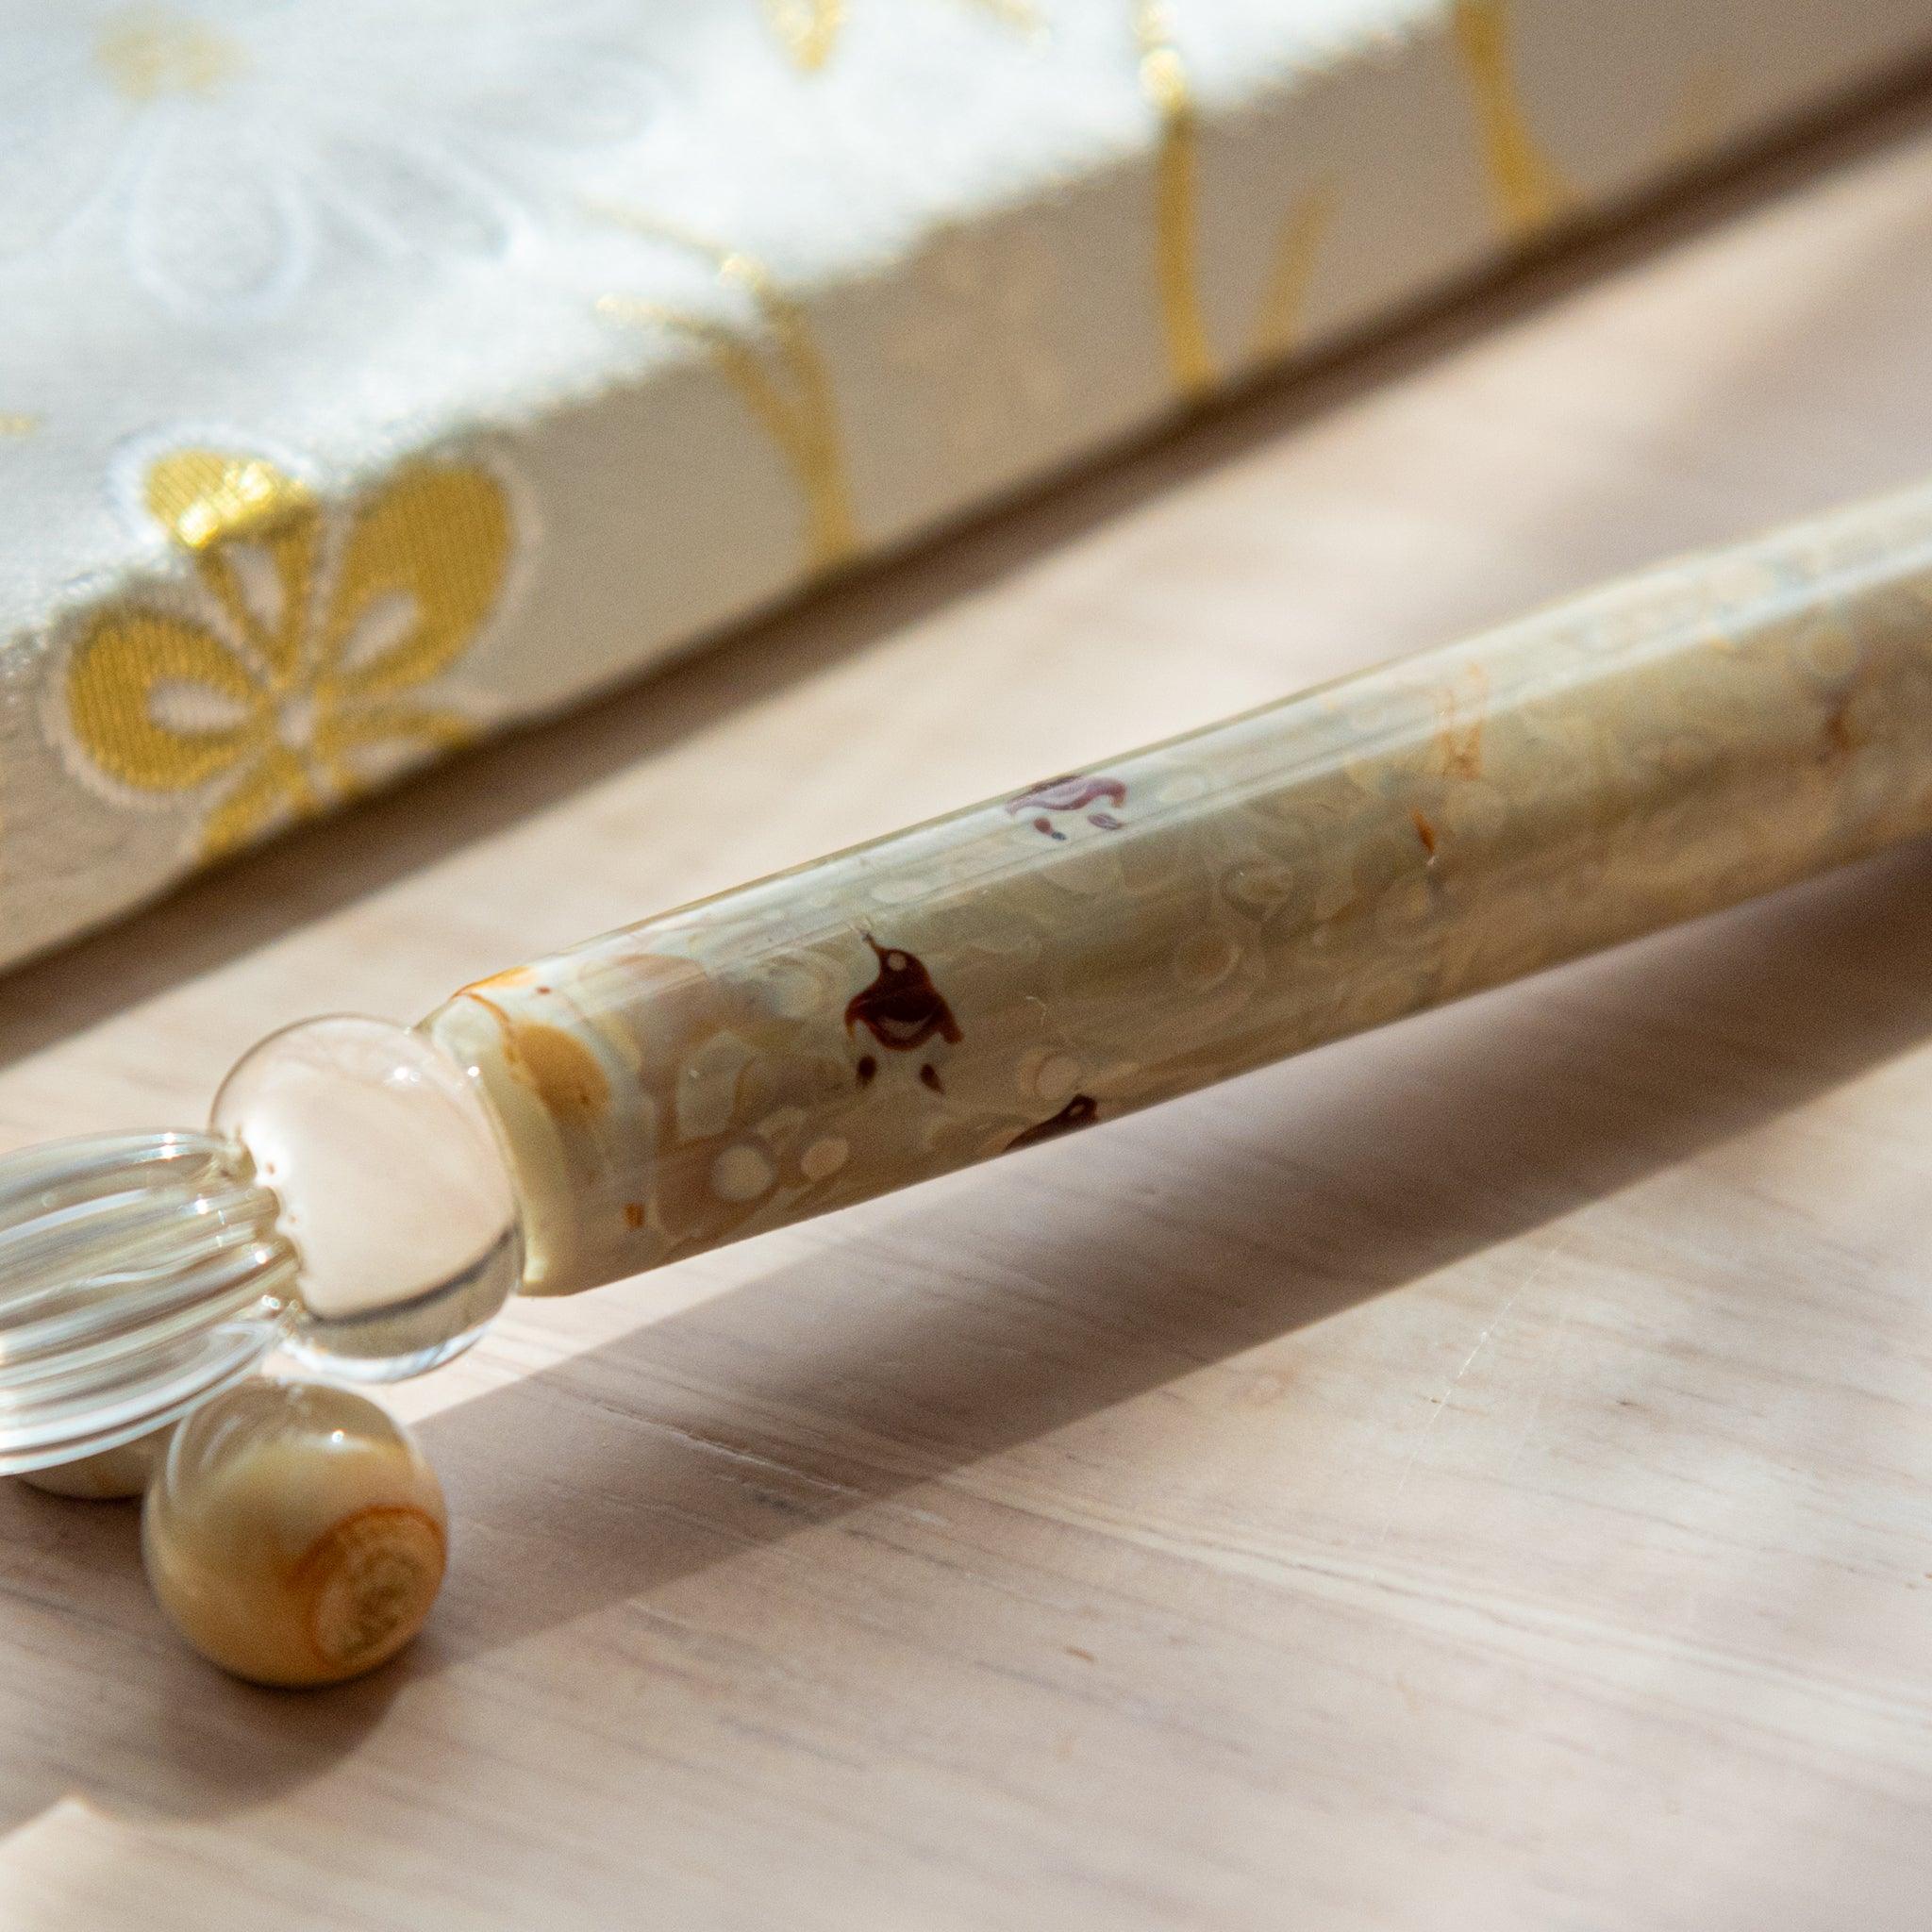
1164	81
1284	300
807	27
1176	223
1525	185
810	29
203	496
147	52
317	631
785	386
13	423
1529	189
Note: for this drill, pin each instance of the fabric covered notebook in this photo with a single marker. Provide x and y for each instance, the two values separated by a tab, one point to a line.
373	376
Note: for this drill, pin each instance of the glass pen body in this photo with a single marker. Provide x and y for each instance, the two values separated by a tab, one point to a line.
1158	922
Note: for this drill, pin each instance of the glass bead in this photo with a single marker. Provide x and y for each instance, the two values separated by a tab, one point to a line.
296	1534
110	1476
394	1191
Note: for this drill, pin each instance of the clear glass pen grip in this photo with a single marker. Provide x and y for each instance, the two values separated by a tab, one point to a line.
1155	923
350	1204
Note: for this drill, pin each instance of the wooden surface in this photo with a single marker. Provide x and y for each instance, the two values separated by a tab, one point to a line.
1478	1476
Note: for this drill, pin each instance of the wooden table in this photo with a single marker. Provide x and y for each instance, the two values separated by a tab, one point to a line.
1478	1476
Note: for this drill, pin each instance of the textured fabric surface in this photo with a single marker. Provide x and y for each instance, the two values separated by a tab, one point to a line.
372	376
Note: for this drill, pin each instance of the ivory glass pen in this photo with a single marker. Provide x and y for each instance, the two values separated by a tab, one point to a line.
368	1196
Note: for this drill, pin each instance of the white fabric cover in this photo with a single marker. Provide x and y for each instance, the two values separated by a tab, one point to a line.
373	375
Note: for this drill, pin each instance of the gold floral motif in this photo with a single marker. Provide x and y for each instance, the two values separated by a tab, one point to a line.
15	424
291	673
204	497
810	29
782	379
1191	355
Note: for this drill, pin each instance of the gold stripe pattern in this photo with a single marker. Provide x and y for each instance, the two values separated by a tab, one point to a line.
1190	355
783	382
1527	187
1284	300
1176	192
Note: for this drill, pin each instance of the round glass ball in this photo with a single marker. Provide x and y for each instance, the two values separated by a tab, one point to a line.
394	1191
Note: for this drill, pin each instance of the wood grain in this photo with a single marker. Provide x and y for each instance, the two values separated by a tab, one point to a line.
1475	1476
